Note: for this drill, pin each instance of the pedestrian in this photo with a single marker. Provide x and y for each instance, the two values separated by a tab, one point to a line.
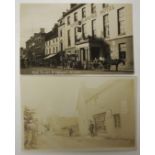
70	132
91	129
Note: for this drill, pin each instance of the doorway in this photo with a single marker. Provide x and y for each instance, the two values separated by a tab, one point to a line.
95	53
100	125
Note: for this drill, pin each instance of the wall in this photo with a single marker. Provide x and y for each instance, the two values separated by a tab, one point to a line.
116	98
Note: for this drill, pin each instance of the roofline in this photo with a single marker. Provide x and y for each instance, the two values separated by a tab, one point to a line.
73	9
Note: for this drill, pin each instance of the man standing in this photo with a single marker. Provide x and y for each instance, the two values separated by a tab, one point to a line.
91	129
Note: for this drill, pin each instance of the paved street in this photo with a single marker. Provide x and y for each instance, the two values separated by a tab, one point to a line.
49	141
48	70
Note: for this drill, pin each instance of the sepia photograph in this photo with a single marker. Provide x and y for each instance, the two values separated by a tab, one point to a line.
76	38
78	113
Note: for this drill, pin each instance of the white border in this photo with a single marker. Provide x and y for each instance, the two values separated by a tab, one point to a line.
136	23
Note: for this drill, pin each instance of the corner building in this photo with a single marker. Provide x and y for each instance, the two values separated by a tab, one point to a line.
83	29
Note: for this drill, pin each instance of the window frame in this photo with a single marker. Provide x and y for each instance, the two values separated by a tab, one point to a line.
106	28
68	20
69	39
93	8
117	120
121	21
122	51
94	29
75	16
84	12
84	31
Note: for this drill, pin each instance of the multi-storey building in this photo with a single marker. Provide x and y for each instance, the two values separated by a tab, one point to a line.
110	107
86	29
35	47
51	42
52	46
23	57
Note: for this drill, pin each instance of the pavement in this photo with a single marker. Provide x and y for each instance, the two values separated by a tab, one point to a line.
58	71
49	141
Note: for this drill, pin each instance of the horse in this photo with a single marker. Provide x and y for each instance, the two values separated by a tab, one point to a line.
116	62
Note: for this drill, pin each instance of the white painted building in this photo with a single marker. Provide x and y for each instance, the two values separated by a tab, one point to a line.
81	26
110	107
51	43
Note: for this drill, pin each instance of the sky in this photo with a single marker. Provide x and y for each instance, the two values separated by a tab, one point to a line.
55	95
36	16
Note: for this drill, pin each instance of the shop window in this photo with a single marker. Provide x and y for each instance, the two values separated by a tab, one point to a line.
122	50
117	121
84	55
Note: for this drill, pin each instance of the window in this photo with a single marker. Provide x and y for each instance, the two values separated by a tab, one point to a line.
49	50
93	8
94	28
75	34
53	49
68	20
56	49
83	12
79	28
84	55
60	22
75	17
106	25
60	33
122	51
84	31
69	40
104	5
61	46
121	21
117	121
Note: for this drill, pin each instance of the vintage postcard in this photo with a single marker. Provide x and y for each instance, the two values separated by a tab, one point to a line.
76	38
78	113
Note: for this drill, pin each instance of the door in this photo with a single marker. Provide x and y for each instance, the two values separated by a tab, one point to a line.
95	53
100	125
82	55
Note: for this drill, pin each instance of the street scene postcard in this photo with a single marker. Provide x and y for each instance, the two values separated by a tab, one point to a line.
78	113
76	38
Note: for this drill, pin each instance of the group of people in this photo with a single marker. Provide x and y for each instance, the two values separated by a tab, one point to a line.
91	130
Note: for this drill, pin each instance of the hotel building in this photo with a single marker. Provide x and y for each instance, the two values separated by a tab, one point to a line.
88	29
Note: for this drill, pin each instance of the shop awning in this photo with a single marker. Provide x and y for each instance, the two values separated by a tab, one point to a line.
50	56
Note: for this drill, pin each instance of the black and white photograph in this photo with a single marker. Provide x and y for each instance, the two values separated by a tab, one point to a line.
76	38
78	113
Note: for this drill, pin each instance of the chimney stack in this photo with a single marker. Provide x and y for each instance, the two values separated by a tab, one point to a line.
73	5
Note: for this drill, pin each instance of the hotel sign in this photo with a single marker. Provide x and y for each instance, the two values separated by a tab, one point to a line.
108	9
